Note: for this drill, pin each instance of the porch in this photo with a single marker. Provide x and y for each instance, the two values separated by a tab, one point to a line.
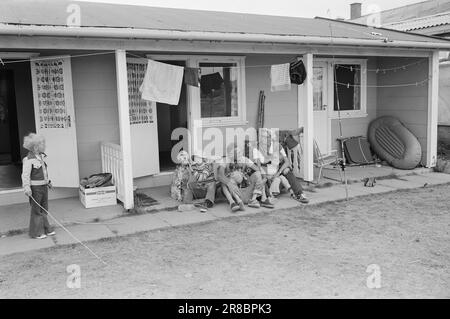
14	218
107	139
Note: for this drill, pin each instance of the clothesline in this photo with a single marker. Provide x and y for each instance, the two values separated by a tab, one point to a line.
377	70
246	67
384	70
385	86
53	57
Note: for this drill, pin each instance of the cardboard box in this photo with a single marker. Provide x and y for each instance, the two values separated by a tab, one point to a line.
98	197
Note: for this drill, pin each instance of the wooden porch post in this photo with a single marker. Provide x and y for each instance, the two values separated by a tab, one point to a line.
306	118
124	125
433	98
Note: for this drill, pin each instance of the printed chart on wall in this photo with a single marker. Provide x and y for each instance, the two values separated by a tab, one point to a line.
55	117
143	120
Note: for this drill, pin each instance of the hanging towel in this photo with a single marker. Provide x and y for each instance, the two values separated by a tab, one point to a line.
162	83
297	72
280	77
192	76
211	82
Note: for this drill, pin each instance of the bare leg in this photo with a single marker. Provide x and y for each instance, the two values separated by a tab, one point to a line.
227	194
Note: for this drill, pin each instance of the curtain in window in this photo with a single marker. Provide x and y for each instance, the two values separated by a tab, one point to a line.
140	111
48	79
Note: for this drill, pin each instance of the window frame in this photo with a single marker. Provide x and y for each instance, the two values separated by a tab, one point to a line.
325	89
362	112
240	119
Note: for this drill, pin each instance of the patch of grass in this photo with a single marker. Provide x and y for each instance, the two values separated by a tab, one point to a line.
15	232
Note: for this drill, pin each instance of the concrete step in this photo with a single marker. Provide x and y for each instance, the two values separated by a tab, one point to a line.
17	196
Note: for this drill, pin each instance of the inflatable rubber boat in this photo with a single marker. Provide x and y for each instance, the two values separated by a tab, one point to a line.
394	143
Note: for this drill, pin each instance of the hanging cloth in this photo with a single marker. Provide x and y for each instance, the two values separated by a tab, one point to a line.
192	76
162	83
280	77
211	82
297	72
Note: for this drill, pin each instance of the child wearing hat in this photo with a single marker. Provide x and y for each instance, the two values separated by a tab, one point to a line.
35	183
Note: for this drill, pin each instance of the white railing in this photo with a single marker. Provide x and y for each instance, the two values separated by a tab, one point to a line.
112	162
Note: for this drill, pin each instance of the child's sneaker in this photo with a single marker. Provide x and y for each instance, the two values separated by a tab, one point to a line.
254	204
234	207
267	204
53	233
301	198
41	237
241	206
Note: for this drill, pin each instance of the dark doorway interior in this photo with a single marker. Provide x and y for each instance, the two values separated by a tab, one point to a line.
10	158
170	117
9	129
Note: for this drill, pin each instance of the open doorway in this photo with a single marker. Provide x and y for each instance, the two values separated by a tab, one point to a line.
10	158
16	120
170	117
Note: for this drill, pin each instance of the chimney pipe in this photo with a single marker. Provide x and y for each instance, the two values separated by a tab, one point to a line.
355	10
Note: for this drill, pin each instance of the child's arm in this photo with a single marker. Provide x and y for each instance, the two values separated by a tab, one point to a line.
26	172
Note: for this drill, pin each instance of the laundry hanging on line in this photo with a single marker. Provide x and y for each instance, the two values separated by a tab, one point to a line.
209	82
280	77
162	83
297	72
192	76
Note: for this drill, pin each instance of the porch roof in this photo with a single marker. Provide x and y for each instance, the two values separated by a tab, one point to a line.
26	17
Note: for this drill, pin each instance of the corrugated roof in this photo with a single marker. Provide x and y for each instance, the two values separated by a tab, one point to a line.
411	11
53	13
421	23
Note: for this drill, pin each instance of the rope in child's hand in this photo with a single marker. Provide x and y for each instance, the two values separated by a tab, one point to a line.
68	231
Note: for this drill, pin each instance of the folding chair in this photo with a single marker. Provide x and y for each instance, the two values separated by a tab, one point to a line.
321	161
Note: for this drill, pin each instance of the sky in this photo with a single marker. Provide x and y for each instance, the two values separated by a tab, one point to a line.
299	8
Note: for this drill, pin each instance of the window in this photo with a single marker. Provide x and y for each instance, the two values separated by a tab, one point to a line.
219	90
221	99
319	89
349	88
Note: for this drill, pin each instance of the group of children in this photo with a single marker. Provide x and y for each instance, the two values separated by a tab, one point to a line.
253	182
274	175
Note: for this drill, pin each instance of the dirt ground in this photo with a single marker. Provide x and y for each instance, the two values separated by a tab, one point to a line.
316	251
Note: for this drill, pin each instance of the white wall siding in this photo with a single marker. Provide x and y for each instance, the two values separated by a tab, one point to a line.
409	104
444	94
280	107
95	98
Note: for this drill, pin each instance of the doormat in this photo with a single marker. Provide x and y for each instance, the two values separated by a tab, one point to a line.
143	200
